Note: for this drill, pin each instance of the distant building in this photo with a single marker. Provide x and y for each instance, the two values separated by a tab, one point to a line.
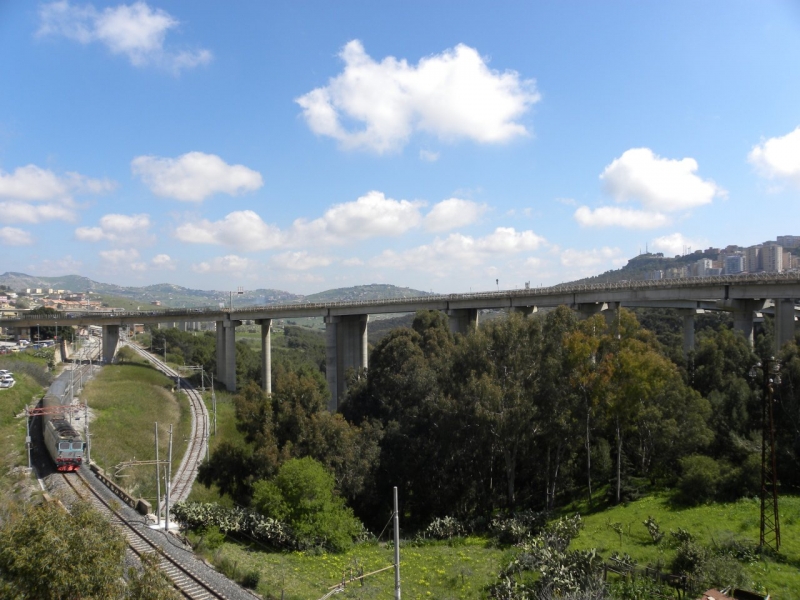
789	241
701	267
752	259
734	264
772	259
654	275
156	303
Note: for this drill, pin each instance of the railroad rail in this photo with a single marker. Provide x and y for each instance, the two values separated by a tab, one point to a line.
195	452
185	580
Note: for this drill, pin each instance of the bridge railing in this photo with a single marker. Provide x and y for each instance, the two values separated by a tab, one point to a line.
561	288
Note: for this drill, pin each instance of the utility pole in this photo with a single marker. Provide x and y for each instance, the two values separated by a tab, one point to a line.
86	432
396	548
158	483
169	481
214	404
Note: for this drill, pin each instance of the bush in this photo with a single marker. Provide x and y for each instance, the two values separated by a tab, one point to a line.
516	527
443	529
700	480
250	580
689	558
302	494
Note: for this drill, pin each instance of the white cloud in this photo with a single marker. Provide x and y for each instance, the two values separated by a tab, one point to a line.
225	264
460	251
660	184
449	95
369	216
592	258
24	212
32	183
163	261
353	262
242	229
606	216
778	157
118	229
676	244
136	31
453	213
428	155
533	263
194	176
11	236
120	256
300	261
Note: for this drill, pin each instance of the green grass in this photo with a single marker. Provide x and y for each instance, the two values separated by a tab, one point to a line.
127	400
437	570
12	433
710	524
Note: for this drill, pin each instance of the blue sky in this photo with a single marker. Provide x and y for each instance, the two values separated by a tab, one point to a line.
438	145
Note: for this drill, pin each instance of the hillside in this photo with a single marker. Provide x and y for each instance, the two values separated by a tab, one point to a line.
364	292
639	265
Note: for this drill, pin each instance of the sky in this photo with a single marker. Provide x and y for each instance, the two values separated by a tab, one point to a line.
445	146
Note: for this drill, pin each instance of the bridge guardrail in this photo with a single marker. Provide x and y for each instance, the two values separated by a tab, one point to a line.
561	288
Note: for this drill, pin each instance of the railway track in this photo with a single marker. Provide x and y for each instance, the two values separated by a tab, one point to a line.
196	450
185	580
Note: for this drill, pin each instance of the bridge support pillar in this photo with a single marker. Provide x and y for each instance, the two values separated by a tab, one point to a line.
784	323
743	317
346	347
110	341
220	329
266	354
587	310
230	354
688	315
463	320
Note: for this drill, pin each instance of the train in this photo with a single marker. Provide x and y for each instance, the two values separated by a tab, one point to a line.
63	442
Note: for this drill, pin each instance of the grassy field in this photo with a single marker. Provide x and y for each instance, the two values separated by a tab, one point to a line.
436	570
12	432
127	400
711	524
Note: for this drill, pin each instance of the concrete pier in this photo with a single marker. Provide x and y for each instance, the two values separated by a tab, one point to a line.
230	354
221	351
463	320
266	354
346	347
784	323
688	315
110	342
743	317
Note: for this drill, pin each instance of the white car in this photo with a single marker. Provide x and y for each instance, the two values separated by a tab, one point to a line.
7	383
3	373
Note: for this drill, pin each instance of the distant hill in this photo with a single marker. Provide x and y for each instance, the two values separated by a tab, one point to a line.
638	266
175	296
373	291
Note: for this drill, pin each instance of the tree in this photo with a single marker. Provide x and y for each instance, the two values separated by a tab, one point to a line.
302	495
500	365
48	553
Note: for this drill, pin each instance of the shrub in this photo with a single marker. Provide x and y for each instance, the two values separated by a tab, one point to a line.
689	557
250	580
443	529
700	480
302	494
514	528
653	529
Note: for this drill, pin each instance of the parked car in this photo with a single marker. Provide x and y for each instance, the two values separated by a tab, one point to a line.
7	384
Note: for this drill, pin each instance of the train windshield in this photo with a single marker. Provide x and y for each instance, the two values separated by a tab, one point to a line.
63	446
77	445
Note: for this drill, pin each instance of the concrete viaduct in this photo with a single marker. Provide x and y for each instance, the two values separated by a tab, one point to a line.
346	322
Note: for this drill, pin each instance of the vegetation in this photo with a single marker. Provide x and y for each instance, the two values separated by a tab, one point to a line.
127	400
48	553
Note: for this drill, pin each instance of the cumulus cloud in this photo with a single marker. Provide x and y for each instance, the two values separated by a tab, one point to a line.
164	261
135	31
450	95
300	261
353	262
120	256
591	258
453	213
118	229
11	236
224	264
676	244
778	157
460	251
659	184
371	215
194	176
607	216
26	212
242	229
31	183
